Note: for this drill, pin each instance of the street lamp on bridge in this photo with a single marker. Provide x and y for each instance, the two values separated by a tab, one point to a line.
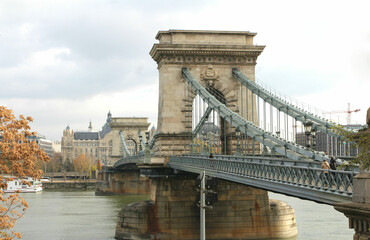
147	150
140	142
308	131
204	138
313	133
237	133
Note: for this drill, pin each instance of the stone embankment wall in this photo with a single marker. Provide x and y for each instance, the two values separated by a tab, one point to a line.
69	185
241	212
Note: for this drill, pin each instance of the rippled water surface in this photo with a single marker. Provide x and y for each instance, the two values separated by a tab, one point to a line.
82	215
72	215
317	221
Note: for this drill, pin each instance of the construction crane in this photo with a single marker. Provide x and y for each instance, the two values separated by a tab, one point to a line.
348	111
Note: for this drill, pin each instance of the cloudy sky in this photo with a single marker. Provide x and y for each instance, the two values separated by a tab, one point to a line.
69	62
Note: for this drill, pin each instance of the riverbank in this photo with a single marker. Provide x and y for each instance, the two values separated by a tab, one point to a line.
69	185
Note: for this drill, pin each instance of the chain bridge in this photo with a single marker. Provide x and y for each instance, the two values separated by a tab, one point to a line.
288	168
214	117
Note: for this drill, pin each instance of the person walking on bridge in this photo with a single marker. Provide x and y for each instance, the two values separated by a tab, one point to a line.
333	164
212	163
325	165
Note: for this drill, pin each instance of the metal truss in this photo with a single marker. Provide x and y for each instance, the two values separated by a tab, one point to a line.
153	139
286	148
201	122
124	149
320	124
294	178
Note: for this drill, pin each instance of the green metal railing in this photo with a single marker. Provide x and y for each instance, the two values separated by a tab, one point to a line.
296	178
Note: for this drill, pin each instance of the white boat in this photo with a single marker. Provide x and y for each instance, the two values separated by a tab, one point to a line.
17	185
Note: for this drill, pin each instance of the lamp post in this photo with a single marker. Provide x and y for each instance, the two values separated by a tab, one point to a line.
237	133
140	141
147	150
273	152
147	136
313	133
308	130
204	150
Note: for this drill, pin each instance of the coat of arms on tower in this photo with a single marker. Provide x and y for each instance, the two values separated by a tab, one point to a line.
130	135
210	75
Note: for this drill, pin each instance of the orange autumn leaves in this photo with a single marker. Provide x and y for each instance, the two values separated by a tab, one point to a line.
18	159
81	163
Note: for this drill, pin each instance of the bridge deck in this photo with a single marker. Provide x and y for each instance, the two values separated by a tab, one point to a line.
287	177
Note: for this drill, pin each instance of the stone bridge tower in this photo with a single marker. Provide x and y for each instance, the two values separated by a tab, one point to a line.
130	127
241	212
210	56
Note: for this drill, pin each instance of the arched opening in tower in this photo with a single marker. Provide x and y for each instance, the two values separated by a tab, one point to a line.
131	146
209	128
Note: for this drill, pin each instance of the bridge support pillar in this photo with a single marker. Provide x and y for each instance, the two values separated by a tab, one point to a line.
358	211
241	212
122	182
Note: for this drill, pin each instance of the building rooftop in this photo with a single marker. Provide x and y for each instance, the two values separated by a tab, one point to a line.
86	136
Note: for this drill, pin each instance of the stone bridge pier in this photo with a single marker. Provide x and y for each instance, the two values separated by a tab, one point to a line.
123	181
241	212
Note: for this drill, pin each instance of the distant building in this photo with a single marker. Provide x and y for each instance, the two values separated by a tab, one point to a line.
93	144
330	145
57	146
152	131
105	144
43	143
210	127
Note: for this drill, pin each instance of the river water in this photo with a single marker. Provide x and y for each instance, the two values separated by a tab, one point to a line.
82	215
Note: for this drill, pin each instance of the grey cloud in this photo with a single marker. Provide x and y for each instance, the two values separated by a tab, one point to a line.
109	43
295	82
109	50
89	79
